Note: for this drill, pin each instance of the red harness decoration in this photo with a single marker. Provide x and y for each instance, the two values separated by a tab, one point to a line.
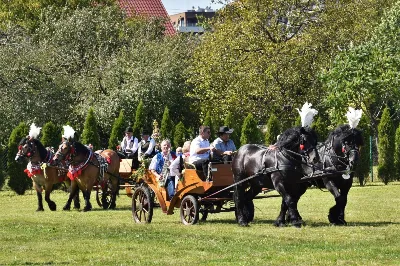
33	169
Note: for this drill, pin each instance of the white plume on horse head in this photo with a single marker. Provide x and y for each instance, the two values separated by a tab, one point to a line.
307	114
34	131
68	132
353	116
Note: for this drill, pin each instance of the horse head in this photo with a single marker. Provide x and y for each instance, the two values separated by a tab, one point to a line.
26	149
346	143
72	151
301	141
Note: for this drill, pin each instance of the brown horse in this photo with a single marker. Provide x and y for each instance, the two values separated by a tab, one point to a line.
88	168
45	178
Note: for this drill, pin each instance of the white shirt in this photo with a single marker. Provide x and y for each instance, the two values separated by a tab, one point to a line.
167	160
149	149
129	145
197	143
174	168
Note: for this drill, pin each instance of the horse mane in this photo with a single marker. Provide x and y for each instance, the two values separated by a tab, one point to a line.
343	132
80	148
40	148
289	138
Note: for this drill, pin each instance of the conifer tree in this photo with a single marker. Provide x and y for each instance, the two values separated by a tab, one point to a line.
117	131
167	126
140	120
19	181
320	126
51	135
397	154
179	135
231	122
90	134
273	130
386	140
208	122
250	132
2	175
363	164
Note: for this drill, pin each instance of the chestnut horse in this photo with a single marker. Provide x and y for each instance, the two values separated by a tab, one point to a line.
38	155
87	168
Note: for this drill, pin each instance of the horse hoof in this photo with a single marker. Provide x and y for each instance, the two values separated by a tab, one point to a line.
40	210
86	209
53	206
244	224
66	208
77	207
279	224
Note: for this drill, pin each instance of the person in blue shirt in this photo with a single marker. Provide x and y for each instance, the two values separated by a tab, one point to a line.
224	146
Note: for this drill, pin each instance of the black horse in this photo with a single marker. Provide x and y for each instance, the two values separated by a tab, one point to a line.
279	168
339	157
45	178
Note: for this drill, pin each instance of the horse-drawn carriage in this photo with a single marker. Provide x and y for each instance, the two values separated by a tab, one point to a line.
195	194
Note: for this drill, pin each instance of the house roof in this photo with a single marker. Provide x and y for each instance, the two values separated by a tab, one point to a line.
150	8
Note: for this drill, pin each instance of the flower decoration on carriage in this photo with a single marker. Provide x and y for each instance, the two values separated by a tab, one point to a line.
307	114
69	132
354	117
34	131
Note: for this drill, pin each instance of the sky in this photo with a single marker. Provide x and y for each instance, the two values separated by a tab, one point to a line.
179	6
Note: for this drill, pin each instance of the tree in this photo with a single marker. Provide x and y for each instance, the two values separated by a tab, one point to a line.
167	126
273	130
366	75
208	122
254	50
2	174
179	134
117	131
90	134
232	122
386	148
140	120
397	154
19	182
363	165
321	126
51	135
250	131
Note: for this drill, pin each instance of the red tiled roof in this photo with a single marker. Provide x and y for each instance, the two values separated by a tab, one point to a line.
151	8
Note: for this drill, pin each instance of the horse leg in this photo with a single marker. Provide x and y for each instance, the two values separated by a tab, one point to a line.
290	200
40	201
239	198
77	204
281	220
341	203
73	191
334	211
248	210
52	204
86	196
114	189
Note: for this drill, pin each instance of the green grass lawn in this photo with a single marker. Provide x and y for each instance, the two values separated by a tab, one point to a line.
112	238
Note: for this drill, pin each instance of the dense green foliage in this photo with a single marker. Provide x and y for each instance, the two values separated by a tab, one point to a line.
363	165
167	126
250	132
117	131
231	122
179	134
2	170
18	180
140	120
208	121
51	135
386	144
397	154
273	130
90	134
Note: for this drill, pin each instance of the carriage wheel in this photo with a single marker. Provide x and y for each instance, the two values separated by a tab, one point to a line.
189	210
104	195
142	205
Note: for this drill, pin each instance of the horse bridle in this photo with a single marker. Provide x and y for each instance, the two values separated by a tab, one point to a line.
346	150
304	154
70	153
30	150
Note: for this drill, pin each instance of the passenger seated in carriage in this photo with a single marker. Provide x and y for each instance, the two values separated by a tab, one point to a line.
224	146
177	166
160	164
147	146
129	147
200	150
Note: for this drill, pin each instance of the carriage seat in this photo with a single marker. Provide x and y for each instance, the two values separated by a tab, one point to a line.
199	172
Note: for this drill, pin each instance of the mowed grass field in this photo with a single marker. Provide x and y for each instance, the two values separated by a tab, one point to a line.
111	237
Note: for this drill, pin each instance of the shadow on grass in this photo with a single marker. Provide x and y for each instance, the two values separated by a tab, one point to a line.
351	224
